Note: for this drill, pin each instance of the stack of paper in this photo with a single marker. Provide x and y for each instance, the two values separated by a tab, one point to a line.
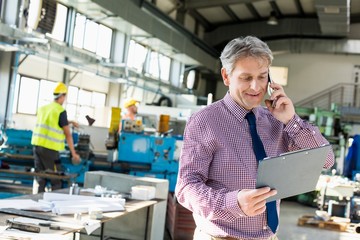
70	204
25	204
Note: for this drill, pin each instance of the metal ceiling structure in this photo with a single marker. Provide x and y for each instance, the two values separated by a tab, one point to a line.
163	25
227	19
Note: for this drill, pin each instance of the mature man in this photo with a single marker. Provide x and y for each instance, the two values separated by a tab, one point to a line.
224	142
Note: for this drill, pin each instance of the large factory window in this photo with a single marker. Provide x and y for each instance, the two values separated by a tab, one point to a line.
79	102
82	102
28	100
159	66
87	34
58	32
136	55
45	94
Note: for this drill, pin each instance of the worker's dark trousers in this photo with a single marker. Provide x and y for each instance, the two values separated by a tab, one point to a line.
47	160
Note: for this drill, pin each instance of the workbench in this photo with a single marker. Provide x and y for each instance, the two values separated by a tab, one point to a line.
140	220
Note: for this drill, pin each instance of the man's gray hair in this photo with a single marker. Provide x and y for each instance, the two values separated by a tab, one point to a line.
240	48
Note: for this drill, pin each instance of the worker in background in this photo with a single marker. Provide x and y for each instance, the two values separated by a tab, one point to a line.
51	130
131	106
224	141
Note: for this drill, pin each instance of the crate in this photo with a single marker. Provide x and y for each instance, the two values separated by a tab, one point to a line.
311	221
179	220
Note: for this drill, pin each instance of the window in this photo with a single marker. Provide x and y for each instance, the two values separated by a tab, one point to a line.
103	48
78	104
83	102
154	65
28	95
159	66
58	31
136	55
279	74
92	36
71	100
46	92
79	31
91	33
165	64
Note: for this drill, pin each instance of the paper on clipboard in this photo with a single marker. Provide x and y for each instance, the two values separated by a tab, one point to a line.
292	173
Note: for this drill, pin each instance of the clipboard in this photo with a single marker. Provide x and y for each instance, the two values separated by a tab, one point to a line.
292	173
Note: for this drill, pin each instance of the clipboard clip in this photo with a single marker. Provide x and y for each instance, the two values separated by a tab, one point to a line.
305	150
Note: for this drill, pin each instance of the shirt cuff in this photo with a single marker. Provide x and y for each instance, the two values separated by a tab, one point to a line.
232	205
294	125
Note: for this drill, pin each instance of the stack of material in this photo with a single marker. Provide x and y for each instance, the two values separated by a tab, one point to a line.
71	204
179	220
334	223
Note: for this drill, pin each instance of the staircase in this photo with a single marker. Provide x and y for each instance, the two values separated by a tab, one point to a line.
346	97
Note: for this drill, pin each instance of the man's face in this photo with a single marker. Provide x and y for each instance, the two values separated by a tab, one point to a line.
133	109
61	99
248	81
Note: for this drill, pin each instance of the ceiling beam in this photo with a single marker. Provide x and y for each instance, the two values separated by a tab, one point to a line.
230	12
299	7
253	11
214	3
275	8
200	19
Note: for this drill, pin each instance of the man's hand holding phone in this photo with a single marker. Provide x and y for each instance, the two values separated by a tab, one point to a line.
279	104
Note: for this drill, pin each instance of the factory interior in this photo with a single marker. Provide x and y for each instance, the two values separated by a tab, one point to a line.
163	58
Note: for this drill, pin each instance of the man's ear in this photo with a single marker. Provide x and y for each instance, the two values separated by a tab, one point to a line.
225	77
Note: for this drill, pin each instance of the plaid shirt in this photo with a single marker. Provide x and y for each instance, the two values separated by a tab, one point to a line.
217	160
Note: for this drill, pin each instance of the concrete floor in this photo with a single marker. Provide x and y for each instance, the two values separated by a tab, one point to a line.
289	230
289	215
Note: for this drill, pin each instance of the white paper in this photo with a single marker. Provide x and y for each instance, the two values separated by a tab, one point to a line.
83	206
91	225
71	204
17	234
3	228
25	204
50	197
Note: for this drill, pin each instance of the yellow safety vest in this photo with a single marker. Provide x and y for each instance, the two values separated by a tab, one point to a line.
47	132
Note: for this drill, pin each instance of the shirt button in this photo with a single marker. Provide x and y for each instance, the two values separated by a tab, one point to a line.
313	132
264	227
298	120
295	125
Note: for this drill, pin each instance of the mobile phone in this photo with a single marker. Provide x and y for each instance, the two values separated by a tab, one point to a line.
269	89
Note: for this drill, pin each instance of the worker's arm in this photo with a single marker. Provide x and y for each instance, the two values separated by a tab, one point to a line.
75	157
75	124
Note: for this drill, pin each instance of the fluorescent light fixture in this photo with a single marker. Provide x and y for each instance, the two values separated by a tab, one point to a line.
272	19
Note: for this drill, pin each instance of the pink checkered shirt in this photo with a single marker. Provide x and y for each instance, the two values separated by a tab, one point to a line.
217	160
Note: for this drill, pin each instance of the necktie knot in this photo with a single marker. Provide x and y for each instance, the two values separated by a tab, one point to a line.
250	117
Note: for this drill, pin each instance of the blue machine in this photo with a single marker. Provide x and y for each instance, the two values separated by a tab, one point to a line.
17	141
149	155
79	169
18	144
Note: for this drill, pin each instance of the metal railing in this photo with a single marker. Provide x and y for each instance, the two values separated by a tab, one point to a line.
345	95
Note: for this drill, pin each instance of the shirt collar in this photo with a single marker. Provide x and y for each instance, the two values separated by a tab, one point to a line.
238	111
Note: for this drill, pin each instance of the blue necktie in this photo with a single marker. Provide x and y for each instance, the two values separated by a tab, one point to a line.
272	217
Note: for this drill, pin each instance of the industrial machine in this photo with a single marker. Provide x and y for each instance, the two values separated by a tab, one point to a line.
17	154
17	142
142	154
